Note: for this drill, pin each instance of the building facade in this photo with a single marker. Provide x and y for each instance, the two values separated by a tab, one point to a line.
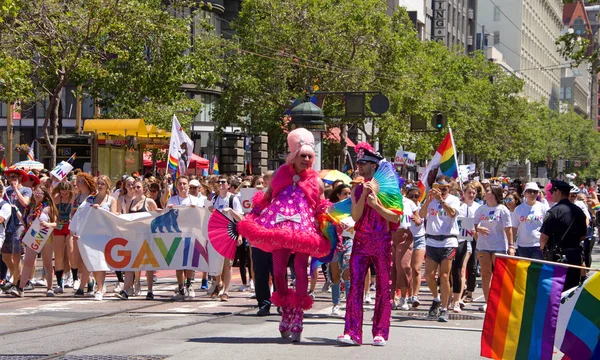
525	32
452	22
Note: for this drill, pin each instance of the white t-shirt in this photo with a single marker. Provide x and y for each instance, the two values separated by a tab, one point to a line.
221	204
583	208
409	209
496	219
439	223
528	221
468	211
347	225
5	212
188	201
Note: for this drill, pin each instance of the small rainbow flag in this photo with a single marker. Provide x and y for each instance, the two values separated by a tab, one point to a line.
72	158
522	309
578	325
216	166
3	163
443	163
173	165
30	154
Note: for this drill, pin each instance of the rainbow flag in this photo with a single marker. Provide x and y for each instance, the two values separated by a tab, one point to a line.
72	158
443	163
3	163
30	154
578	325
522	310
216	166
173	165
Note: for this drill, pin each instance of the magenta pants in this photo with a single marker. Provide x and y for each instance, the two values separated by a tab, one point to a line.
376	249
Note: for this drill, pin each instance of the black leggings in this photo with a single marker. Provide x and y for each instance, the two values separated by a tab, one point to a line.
243	254
459	258
472	268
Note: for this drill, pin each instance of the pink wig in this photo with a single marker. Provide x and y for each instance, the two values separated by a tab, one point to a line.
299	140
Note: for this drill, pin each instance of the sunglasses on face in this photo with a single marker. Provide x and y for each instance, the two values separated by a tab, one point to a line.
221	182
153	191
13	176
531	192
444	189
193	187
508	200
414	196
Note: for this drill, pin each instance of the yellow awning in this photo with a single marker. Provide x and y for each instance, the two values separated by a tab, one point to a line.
116	126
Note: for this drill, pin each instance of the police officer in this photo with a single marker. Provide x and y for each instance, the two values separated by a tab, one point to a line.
563	230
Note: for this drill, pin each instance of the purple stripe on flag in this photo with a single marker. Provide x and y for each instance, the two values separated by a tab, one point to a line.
552	310
574	347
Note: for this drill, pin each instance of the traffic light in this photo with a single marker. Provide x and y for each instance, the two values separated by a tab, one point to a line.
567	163
438	121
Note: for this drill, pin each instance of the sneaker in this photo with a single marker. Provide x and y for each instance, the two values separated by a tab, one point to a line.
335	310
434	310
326	286
372	288
14	291
346	340
154	279
212	288
123	295
59	290
483	308
98	296
79	293
409	301
415	302
403	304
90	286
252	285
457	308
204	285
50	293
6	286
180	296
29	286
39	282
76	284
137	289
378	341
190	292
443	316
68	281
461	304
312	294
243	288
118	287
368	299
150	295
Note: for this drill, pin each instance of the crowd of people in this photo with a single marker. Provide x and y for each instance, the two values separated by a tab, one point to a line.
378	250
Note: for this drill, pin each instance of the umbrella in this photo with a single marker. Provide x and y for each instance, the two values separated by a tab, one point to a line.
30	165
329	176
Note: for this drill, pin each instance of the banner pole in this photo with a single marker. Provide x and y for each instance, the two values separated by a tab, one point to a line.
546	262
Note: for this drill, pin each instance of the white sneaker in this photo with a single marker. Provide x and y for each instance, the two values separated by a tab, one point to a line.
346	340
39	282
137	291
98	296
118	287
58	290
243	288
335	310
76	284
50	293
456	308
326	286
212	288
68	281
252	285
483	308
378	341
368	299
178	297
403	304
372	287
189	291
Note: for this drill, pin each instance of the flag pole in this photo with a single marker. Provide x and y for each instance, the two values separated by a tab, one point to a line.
546	262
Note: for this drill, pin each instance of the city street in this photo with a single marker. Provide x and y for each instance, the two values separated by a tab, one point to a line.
38	327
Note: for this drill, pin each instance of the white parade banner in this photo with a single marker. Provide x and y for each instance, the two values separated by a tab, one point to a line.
466	227
174	239
246	196
37	235
61	170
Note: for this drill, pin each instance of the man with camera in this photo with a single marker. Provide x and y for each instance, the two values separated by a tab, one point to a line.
562	232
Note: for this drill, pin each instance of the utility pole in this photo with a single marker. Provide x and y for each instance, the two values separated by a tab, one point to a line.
595	66
9	133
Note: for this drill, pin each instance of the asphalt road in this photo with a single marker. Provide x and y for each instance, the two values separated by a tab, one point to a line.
65	327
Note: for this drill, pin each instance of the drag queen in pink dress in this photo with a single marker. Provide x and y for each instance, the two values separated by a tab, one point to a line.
283	221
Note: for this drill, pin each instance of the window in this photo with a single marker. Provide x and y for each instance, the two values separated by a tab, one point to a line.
496	37
496	13
209	102
561	96
568	94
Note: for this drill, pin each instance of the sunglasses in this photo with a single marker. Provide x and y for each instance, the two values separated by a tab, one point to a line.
531	192
413	196
193	187
444	189
153	191
222	182
508	200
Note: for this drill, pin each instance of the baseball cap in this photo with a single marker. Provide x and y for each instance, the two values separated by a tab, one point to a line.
195	183
531	186
485	181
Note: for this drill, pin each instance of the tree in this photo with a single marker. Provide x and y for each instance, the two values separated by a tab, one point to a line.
131	56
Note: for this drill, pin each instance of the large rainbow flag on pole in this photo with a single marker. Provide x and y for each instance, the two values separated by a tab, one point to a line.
578	325
522	309
181	148
443	163
31	154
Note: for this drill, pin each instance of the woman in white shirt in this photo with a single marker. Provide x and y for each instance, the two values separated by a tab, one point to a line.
418	252
527	220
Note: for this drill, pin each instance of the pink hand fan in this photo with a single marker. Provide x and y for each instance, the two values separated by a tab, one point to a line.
222	234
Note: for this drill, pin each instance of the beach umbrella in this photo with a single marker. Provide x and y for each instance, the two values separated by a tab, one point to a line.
30	165
329	176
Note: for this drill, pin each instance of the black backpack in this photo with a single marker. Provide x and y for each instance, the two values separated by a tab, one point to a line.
11	225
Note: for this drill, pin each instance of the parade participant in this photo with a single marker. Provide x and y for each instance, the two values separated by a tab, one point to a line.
63	197
230	205
19	196
85	186
139	204
562	232
183	198
440	209
340	265
372	245
283	221
464	250
527	220
5	214
402	254
418	254
42	207
494	228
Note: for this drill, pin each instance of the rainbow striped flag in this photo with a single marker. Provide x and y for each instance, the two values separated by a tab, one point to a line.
443	163
578	325
522	309
216	166
173	164
30	154
72	158
3	163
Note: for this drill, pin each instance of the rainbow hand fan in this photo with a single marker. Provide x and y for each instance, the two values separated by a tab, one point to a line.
340	210
386	185
222	234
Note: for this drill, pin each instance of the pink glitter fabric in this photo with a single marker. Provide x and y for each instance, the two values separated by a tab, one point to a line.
376	249
371	221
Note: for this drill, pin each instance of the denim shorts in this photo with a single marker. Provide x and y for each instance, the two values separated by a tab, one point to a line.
534	252
343	257
419	243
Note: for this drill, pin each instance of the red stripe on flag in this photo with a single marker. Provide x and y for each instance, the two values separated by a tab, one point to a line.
487	335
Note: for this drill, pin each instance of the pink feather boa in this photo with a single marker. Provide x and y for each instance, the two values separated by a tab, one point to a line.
309	183
292	300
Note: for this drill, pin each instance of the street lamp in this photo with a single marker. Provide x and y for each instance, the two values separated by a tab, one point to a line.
309	116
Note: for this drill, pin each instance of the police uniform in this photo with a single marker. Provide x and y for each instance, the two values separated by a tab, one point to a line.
564	224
